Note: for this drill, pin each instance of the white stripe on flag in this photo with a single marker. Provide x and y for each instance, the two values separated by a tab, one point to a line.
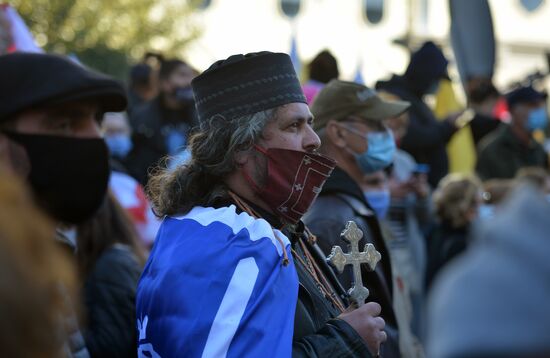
231	309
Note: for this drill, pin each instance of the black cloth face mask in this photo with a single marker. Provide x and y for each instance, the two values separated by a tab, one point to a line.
69	176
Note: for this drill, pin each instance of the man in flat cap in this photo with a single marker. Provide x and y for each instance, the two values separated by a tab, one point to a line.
234	272
512	146
349	120
49	136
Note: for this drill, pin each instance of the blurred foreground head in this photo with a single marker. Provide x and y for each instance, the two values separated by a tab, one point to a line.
33	272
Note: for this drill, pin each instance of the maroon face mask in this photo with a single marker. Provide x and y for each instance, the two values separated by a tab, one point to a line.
294	179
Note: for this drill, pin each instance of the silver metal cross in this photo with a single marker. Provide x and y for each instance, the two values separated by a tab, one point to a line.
337	258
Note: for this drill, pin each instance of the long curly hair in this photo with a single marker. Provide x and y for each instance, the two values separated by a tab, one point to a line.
200	182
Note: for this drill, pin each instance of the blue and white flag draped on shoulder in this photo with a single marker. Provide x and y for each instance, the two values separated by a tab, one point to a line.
215	286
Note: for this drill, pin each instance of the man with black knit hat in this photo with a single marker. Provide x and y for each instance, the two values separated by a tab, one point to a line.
426	136
234	271
49	135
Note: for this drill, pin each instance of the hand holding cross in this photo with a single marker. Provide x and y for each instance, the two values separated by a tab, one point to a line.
337	258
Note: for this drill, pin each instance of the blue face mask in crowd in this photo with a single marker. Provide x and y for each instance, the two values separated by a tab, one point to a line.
486	211
119	145
538	119
379	154
379	201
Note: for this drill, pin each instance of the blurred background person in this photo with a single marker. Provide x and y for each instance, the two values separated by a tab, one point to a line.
511	147
409	215
537	177
128	192
407	301
322	69
482	99
141	85
118	137
426	136
162	125
456	201
492	301
36	277
110	261
495	192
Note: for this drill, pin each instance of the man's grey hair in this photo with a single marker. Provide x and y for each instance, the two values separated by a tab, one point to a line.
214	146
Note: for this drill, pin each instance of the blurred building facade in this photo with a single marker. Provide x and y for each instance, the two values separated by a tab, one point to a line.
365	35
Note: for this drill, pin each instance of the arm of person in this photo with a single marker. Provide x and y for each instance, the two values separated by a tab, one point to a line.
335	339
428	134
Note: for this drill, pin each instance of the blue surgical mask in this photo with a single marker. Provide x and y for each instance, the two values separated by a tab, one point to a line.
486	211
379	154
119	145
379	201
537	119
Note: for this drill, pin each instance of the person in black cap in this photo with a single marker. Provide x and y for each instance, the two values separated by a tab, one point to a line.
234	271
512	146
426	136
49	136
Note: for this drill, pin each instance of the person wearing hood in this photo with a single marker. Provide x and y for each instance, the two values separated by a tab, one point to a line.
426	137
349	120
161	126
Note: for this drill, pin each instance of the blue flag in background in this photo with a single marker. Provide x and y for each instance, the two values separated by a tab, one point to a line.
294	57
358	75
215	286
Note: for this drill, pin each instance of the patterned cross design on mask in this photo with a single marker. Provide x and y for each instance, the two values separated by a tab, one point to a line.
298	187
339	259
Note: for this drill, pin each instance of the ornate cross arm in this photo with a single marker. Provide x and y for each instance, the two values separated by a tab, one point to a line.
339	259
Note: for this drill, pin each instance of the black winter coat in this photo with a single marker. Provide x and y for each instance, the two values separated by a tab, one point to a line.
110	302
340	201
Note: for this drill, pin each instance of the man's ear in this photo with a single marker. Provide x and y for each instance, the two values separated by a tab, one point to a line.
242	157
335	134
13	157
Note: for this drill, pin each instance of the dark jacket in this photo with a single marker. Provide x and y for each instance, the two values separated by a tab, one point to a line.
444	244
502	154
151	124
426	137
109	294
340	201
481	125
75	346
317	331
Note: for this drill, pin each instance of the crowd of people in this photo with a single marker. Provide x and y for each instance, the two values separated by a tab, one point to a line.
190	214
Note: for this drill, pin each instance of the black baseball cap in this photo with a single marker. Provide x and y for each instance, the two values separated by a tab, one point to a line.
525	94
30	80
